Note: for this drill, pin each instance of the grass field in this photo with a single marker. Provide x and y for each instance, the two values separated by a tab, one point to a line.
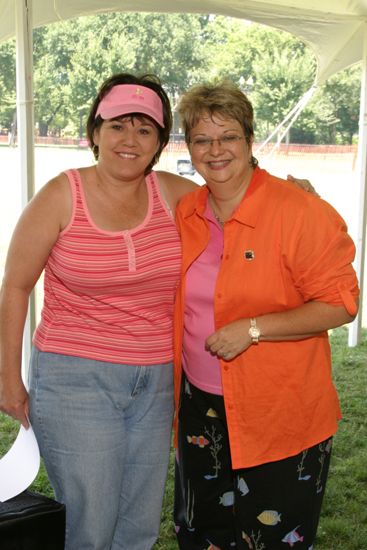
343	523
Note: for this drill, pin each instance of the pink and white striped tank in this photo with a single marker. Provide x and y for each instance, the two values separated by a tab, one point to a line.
108	295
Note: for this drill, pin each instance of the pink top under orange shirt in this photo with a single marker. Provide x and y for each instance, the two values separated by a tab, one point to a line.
108	295
201	368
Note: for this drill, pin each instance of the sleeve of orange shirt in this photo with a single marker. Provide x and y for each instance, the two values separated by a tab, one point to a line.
323	253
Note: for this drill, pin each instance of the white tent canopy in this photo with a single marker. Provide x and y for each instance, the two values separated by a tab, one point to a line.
335	30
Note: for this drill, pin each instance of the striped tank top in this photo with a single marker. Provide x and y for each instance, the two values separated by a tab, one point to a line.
108	295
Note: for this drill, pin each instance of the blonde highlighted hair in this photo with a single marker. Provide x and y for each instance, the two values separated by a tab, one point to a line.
222	98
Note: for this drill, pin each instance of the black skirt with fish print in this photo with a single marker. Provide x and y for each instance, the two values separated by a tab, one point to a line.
273	506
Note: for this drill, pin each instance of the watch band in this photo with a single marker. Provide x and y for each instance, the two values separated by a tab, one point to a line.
254	331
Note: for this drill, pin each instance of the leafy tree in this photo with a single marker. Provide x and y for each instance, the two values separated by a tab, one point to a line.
72	58
133	43
232	45
274	68
53	48
341	94
333	113
7	84
179	63
102	50
283	72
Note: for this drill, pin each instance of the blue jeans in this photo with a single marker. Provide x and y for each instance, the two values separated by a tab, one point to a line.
104	433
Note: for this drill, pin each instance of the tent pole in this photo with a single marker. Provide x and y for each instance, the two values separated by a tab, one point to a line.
355	328
294	112
24	80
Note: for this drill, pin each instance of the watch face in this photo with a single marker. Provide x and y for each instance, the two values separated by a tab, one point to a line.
254	332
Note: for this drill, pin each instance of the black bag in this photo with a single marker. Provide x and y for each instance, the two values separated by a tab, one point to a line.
31	521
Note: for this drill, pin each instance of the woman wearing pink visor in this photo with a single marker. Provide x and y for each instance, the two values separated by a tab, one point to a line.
100	390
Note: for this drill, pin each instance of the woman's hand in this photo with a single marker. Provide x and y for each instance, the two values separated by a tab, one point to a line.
303	184
14	401
305	321
230	340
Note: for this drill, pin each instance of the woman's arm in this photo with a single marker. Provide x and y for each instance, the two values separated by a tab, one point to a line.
35	234
302	322
175	187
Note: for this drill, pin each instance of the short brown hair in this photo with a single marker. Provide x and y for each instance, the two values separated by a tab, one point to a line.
149	81
221	98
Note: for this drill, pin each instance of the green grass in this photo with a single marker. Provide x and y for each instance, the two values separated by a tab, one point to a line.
343	524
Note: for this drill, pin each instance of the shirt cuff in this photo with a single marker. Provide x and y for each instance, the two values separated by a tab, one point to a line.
349	299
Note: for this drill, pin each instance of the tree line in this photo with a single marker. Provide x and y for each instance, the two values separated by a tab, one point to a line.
274	68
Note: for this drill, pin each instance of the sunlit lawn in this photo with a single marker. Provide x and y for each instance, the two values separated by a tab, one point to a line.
344	518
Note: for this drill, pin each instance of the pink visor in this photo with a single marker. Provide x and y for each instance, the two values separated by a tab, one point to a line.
124	99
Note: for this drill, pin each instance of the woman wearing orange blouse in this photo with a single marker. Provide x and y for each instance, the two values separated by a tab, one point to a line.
266	272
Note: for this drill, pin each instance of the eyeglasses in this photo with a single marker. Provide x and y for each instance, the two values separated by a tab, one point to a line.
204	144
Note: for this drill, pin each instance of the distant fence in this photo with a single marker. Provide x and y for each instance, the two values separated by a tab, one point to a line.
55	141
179	145
302	148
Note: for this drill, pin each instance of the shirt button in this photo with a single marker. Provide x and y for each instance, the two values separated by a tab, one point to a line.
219	295
226	367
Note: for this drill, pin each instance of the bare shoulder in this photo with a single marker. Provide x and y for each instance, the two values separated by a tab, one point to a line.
36	232
52	202
180	184
175	187
54	188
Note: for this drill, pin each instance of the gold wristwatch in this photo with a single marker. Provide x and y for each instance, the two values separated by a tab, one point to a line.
254	331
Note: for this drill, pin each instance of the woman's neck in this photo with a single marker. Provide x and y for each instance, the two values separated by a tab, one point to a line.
224	198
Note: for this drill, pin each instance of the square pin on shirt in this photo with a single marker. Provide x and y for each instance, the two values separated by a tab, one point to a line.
249	255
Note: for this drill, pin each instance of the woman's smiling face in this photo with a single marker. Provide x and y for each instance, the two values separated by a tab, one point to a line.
219	150
127	144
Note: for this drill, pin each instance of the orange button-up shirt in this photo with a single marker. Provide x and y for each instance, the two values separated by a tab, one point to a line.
282	248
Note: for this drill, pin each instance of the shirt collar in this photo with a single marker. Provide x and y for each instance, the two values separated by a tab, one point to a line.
248	211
